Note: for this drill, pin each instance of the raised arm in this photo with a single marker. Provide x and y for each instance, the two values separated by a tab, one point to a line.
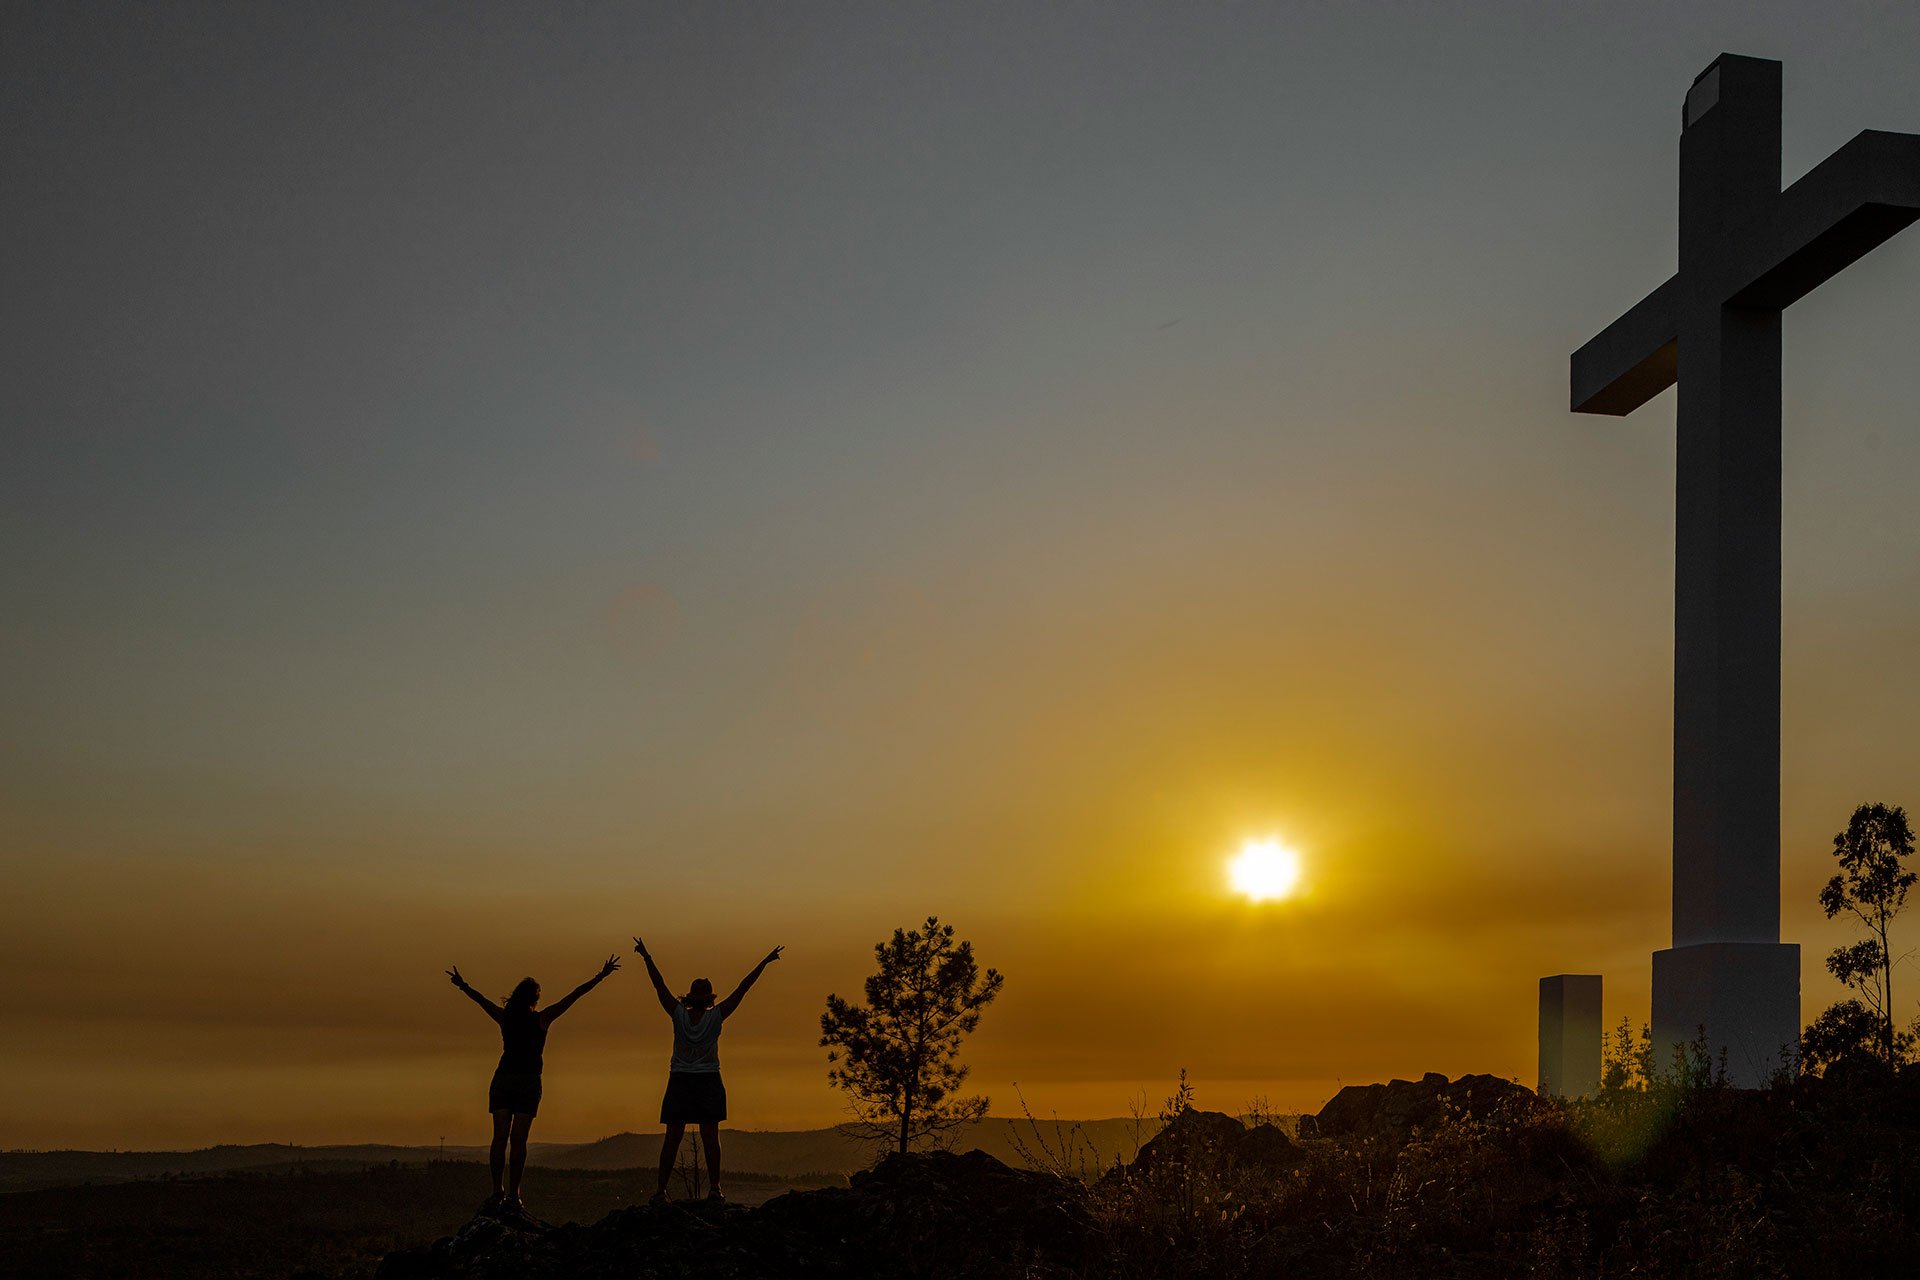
732	1002
552	1011
660	987
493	1010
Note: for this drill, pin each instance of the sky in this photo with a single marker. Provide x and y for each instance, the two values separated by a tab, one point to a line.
479	482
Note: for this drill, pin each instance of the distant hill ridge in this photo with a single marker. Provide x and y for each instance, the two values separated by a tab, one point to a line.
781	1152
793	1152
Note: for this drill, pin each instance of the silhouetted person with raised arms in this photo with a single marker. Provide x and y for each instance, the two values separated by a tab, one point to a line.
514	1095
695	1093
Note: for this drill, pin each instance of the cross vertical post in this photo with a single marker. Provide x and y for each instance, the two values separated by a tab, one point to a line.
1726	652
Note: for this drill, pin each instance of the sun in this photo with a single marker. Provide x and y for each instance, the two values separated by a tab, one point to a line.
1265	870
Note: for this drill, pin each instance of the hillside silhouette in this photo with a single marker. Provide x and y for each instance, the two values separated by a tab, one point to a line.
273	1222
1471	1178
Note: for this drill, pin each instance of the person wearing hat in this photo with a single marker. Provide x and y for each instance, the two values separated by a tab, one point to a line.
695	1093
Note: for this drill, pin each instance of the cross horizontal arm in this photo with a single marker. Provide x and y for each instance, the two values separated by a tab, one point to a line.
1846	206
1633	359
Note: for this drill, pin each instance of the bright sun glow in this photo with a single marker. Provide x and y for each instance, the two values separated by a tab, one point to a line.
1265	870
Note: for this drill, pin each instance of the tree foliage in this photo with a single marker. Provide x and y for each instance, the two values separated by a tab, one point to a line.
897	1057
1871	885
1845	1031
1627	1066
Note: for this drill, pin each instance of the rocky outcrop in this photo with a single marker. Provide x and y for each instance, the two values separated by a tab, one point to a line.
937	1214
1268	1147
1215	1140
1390	1113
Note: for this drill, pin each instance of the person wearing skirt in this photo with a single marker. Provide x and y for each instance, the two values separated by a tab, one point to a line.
695	1094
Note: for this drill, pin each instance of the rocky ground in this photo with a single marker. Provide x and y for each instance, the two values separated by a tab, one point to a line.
1427	1178
918	1215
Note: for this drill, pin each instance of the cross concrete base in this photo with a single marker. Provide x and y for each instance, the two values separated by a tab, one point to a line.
1747	996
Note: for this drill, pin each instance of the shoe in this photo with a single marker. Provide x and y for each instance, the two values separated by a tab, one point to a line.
658	1197
716	1196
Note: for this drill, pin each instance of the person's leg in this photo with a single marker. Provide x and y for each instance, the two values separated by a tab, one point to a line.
497	1153
710	1138
522	1125
669	1152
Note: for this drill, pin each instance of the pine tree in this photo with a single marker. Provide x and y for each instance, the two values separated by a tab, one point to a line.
897	1057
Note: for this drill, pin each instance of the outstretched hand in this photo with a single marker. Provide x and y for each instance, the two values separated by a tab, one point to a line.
613	962
640	946
774	954
454	973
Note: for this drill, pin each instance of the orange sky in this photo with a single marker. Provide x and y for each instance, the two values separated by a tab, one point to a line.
798	478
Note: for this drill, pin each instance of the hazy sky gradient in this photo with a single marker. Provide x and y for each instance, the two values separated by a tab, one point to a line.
479	481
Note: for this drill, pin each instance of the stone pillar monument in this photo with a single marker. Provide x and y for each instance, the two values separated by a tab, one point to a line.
1747	251
1569	1035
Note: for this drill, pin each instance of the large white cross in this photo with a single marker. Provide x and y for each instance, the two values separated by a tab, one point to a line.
1747	251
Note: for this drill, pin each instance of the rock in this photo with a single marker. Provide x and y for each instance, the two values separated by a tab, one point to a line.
921	1215
942	1214
1218	1141
1193	1135
1391	1113
488	1244
1268	1147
